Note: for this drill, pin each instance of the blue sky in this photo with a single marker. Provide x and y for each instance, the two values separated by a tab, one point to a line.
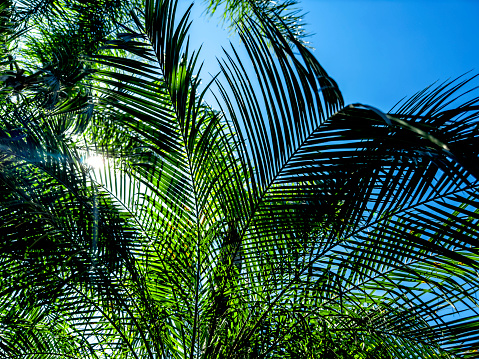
378	50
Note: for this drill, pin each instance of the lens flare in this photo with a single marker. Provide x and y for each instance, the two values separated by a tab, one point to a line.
95	161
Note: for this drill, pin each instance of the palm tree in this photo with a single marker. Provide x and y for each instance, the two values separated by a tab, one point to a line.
283	224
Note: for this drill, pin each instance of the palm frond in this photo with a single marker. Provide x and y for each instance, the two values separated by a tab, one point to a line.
372	203
182	158
285	16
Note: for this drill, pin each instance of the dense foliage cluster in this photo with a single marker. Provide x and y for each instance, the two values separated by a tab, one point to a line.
276	223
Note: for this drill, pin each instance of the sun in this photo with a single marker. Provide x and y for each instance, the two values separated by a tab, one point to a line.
95	162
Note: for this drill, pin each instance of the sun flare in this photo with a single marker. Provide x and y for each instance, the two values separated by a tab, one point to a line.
95	161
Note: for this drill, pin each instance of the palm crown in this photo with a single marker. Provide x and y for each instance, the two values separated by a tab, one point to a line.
281	224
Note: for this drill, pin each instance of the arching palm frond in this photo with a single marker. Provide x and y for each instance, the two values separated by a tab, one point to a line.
185	187
285	16
63	243
355	212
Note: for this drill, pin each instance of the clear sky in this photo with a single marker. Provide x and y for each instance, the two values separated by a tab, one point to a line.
380	51
377	50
